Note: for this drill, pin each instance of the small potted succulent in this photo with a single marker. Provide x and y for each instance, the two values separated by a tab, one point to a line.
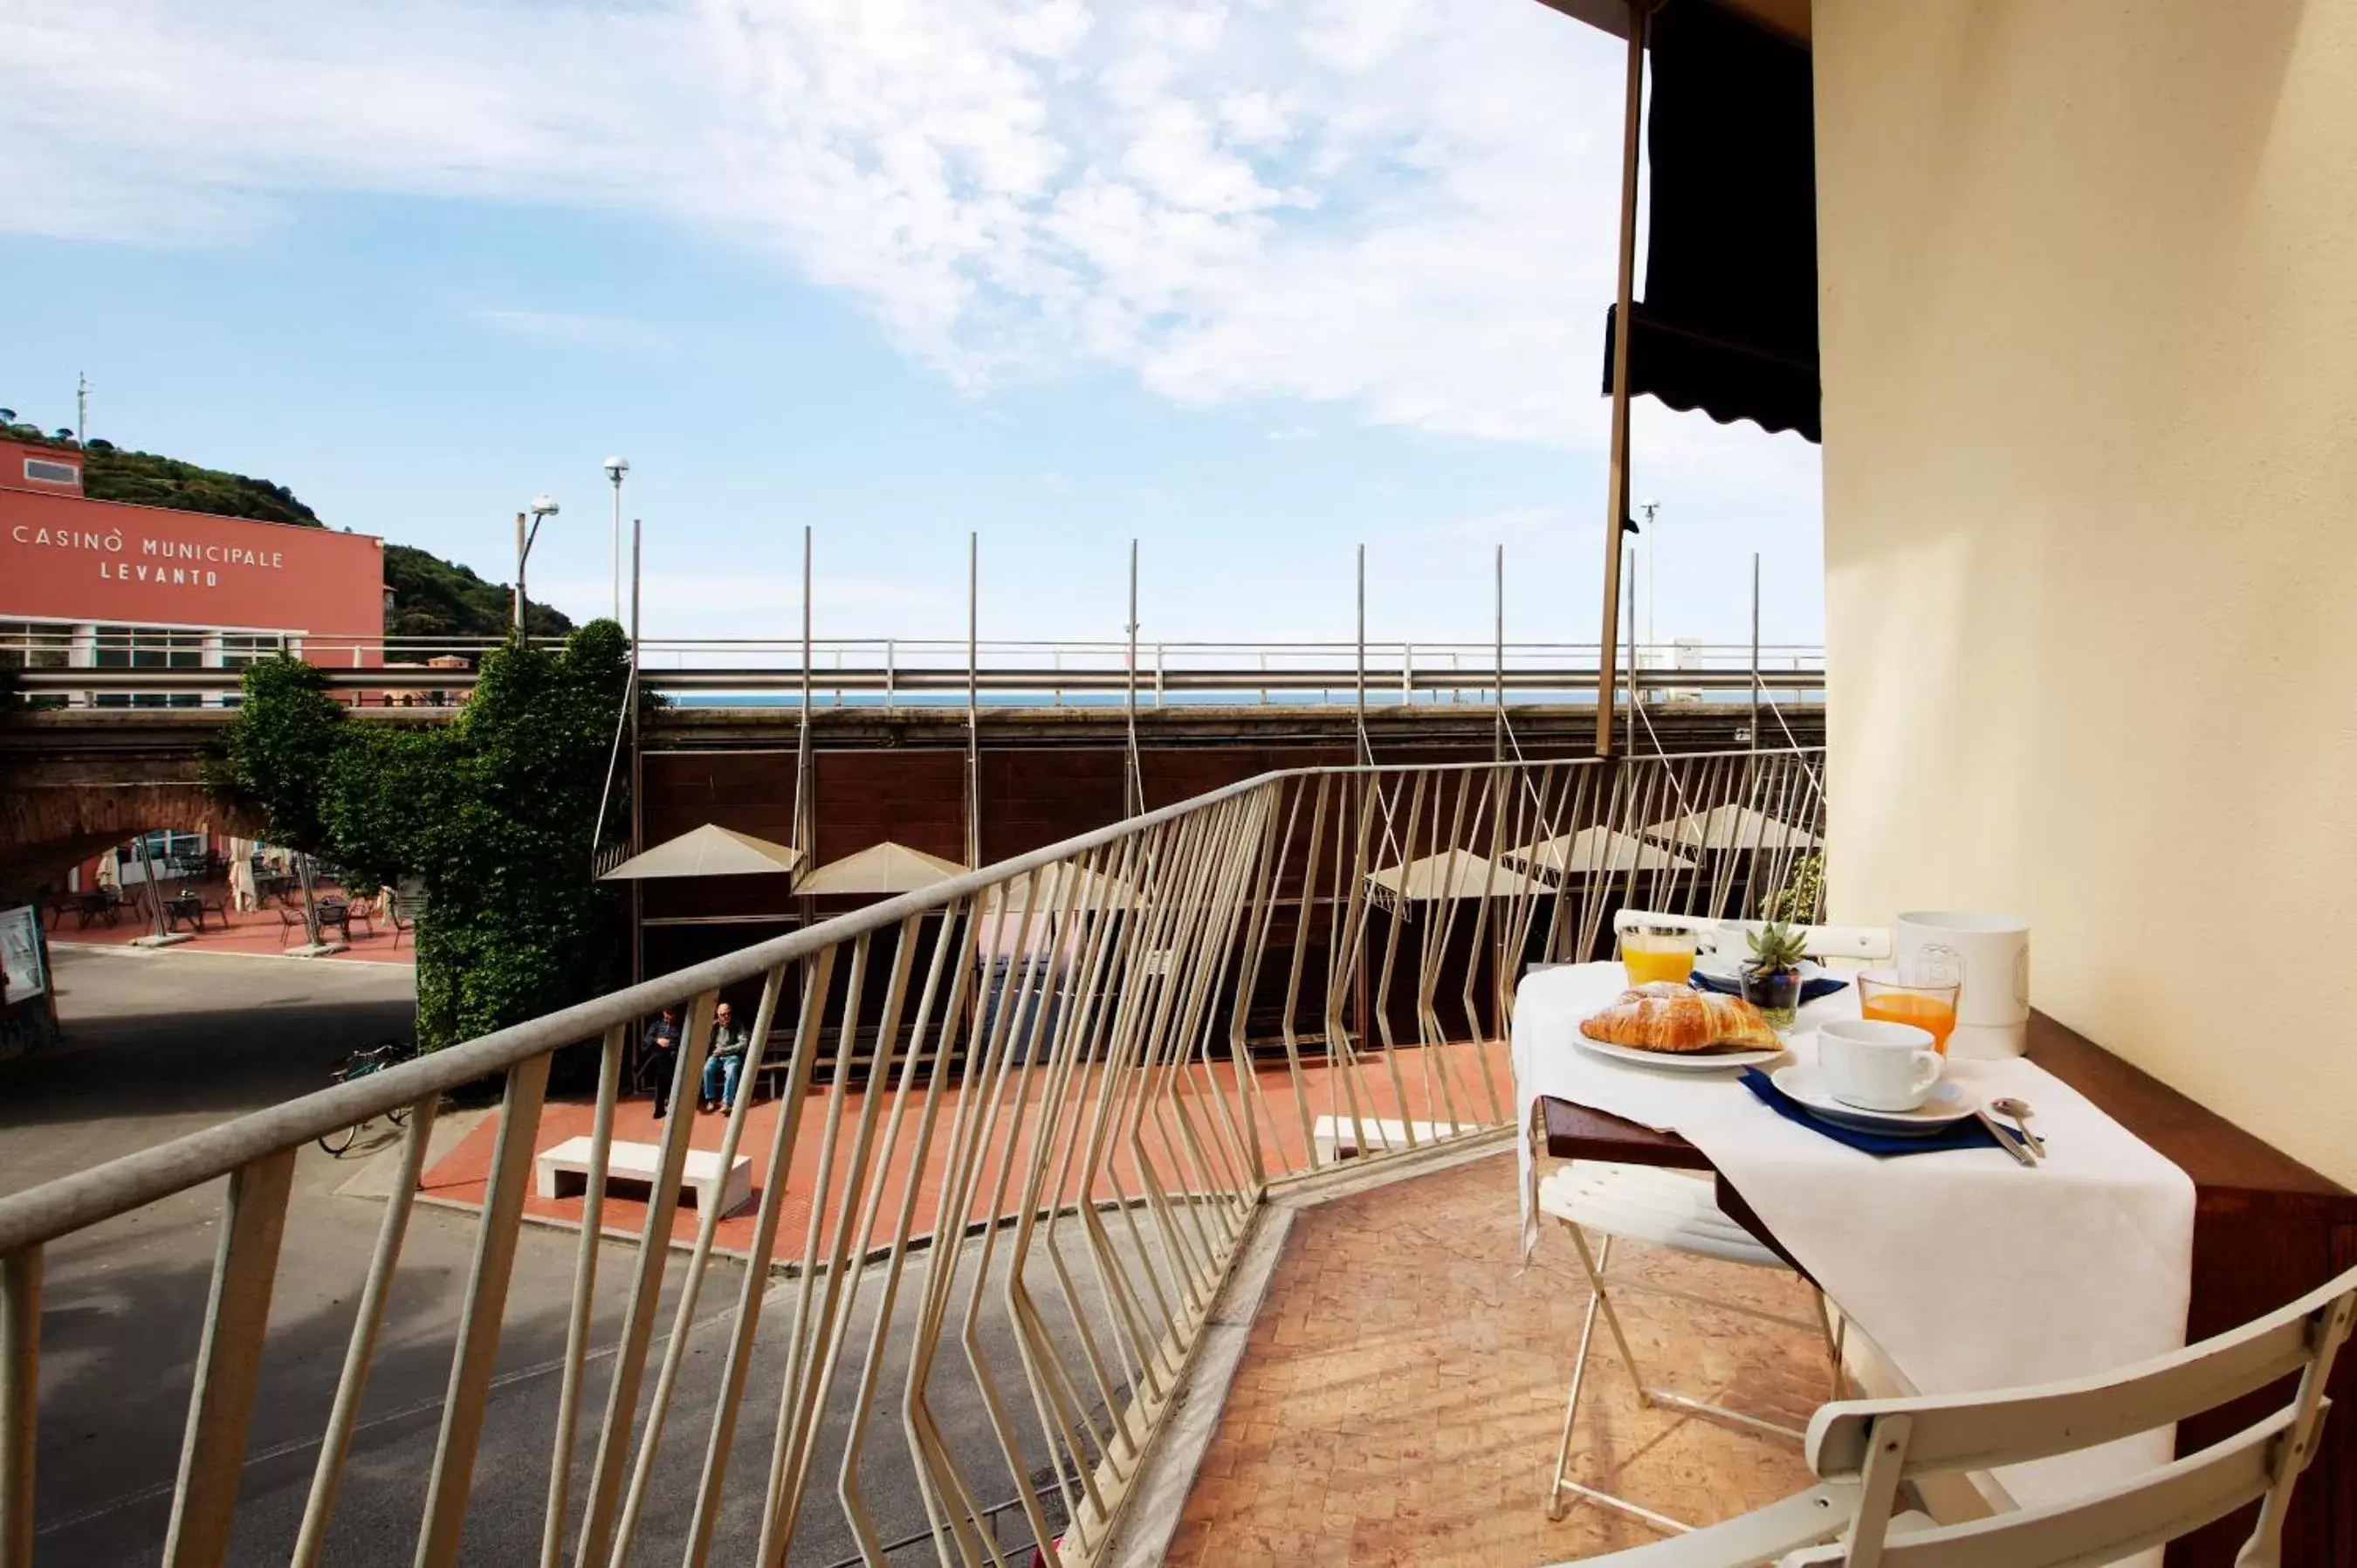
1772	980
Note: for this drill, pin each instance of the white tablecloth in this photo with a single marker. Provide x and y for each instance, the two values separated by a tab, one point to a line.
1970	1271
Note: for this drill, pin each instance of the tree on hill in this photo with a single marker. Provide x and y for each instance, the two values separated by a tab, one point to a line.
433	597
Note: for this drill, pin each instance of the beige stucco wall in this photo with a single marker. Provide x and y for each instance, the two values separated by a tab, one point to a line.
2089	275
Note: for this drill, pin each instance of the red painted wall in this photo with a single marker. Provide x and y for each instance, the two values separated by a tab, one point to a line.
62	558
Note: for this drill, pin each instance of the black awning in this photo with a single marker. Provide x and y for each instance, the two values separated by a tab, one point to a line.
1729	324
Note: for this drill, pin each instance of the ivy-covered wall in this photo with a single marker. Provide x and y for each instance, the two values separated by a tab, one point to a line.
495	812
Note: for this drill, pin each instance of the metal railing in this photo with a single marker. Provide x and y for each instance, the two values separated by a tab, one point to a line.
903	672
1046	1099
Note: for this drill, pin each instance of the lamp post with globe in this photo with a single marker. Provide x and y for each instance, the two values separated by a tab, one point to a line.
544	507
615	469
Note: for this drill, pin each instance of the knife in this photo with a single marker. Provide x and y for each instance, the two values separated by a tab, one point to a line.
2004	1141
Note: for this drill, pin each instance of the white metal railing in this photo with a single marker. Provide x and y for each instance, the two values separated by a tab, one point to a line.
1049	1098
898	673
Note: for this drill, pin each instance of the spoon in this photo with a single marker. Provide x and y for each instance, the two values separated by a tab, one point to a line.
2020	1110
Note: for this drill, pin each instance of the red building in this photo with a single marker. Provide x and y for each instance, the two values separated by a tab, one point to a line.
100	584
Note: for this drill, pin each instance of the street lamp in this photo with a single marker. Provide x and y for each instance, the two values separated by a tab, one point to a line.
544	507
615	469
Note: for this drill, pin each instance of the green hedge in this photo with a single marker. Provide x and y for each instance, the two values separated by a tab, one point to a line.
495	812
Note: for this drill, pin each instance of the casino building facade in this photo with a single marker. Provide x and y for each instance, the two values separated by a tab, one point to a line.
100	584
104	586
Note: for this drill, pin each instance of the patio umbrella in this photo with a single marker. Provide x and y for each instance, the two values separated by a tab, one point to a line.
1731	827
882	869
1591	850
1459	874
708	851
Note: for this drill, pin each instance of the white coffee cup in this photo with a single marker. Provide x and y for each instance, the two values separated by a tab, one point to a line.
1877	1066
1990	955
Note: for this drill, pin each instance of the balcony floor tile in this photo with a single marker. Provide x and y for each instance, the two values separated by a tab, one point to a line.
1402	1395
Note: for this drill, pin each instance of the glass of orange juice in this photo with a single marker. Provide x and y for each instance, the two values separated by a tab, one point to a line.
1930	1005
1658	952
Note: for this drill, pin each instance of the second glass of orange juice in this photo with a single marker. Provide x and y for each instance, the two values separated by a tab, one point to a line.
1930	1007
1657	952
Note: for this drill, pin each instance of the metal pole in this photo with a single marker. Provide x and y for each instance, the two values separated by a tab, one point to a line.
518	593
1136	792
1366	751
973	700
805	791
1498	666
1755	651
637	772
1616	503
618	545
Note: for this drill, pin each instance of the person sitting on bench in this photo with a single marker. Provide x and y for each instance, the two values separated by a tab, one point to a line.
728	1060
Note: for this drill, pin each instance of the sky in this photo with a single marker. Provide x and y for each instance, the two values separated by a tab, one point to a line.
1254	283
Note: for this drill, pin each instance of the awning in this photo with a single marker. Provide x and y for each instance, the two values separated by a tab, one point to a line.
884	868
1593	851
1731	827
708	851
1728	321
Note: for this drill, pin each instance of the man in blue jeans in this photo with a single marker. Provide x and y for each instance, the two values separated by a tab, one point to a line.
726	1062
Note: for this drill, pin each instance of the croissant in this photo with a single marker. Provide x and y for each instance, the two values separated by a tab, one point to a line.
1667	1016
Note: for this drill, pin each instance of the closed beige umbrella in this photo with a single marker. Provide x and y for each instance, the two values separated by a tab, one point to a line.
708	851
878	870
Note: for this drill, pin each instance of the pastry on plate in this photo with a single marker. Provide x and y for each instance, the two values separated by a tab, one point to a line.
1678	1019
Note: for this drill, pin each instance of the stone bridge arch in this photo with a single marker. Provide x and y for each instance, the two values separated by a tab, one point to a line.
47	829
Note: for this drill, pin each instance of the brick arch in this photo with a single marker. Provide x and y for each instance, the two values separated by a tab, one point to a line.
47	829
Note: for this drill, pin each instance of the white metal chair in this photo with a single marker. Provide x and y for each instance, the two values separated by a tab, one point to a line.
1865	1451
1667	1209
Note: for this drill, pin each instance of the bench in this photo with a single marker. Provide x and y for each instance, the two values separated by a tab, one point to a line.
563	1171
1337	1139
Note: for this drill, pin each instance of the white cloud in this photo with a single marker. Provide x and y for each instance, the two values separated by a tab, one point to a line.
1399	208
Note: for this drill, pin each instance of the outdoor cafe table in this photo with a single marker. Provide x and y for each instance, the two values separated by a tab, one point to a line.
2239	1228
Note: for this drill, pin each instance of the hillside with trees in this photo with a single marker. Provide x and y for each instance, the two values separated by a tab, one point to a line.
431	596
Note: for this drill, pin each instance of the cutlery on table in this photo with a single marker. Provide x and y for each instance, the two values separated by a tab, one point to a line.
2005	1140
2020	1110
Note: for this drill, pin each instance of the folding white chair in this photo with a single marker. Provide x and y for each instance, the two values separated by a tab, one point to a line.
1600	1199
1865	1453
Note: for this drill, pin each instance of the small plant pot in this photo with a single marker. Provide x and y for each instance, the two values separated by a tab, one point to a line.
1776	992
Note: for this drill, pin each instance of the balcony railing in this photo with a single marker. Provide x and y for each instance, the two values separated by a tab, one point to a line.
911	673
1048	1098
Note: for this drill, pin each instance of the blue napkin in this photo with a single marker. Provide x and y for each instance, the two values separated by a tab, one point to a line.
1966	1134
1823	986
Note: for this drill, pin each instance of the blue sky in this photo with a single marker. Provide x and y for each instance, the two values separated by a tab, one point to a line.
1254	283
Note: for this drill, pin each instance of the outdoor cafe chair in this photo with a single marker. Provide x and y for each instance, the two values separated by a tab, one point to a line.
1606	1200
1865	1451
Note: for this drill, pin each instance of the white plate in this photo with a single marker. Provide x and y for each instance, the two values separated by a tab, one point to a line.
1804	1083
1676	1061
1732	973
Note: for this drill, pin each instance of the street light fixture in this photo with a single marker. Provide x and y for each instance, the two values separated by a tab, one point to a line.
544	507
615	469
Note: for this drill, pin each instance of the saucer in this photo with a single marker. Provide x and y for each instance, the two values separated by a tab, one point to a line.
1729	972
1804	1083
1680	1061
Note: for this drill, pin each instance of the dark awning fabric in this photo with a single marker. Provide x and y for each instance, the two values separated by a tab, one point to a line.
1729	323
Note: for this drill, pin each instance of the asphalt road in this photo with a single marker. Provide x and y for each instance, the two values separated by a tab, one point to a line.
161	1044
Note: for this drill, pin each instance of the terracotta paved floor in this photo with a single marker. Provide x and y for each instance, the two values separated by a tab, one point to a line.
463	1175
254	931
1402	1394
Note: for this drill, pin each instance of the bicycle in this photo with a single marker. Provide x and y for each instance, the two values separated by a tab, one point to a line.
360	1064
